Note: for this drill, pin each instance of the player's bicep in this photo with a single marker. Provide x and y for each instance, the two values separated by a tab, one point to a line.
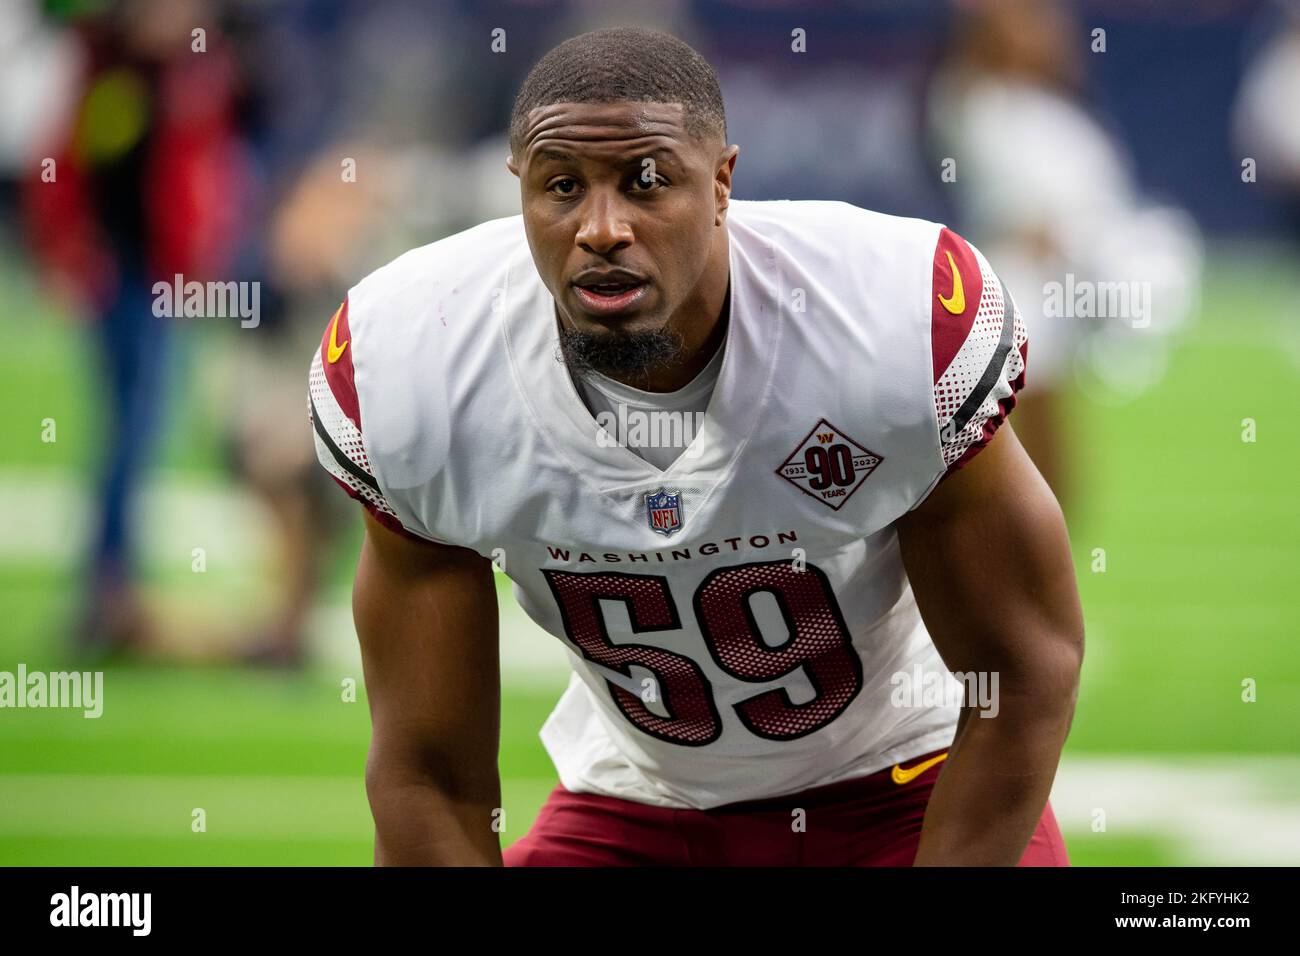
988	559
426	618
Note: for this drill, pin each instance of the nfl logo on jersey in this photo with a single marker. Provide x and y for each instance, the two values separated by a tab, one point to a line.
664	511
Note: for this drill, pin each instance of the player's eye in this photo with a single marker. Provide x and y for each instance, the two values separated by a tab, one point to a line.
642	184
564	187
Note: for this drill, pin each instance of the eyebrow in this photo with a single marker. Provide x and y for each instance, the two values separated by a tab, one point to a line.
550	152
659	153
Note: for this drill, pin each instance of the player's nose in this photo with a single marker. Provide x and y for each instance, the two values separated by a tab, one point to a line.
605	227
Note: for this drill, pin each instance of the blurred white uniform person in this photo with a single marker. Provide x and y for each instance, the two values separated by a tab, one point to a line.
1047	191
1264	116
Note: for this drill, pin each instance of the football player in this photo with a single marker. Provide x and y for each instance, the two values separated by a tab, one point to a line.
766	615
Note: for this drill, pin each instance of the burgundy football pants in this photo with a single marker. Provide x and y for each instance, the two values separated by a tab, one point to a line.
869	821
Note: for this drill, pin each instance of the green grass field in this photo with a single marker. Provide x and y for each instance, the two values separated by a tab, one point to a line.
1201	591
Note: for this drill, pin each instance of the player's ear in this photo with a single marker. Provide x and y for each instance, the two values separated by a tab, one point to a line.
722	180
511	165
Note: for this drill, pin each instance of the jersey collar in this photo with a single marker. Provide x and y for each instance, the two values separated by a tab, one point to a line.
754	329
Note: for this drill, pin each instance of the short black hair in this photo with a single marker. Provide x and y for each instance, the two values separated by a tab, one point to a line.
623	63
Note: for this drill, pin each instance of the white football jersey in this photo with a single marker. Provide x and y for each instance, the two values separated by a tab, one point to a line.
740	625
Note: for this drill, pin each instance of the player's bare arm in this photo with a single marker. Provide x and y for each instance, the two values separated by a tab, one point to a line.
989	561
426	616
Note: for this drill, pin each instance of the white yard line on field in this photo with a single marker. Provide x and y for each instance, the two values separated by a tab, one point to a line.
1213	810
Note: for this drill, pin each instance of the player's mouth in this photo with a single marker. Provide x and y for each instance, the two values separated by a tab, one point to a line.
606	293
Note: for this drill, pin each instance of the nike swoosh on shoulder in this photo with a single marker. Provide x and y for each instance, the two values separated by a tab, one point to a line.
955	303
336	350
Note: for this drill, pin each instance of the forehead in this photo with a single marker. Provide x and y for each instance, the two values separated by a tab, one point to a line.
605	130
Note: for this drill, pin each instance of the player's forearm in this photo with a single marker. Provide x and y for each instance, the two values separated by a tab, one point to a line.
420	821
996	781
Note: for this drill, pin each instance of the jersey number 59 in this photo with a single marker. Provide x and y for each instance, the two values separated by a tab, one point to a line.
818	642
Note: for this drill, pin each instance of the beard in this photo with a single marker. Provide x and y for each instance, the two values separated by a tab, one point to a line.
619	354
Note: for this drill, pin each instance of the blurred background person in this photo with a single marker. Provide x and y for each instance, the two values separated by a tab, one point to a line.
145	185
360	127
1264	116
39	65
1045	188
